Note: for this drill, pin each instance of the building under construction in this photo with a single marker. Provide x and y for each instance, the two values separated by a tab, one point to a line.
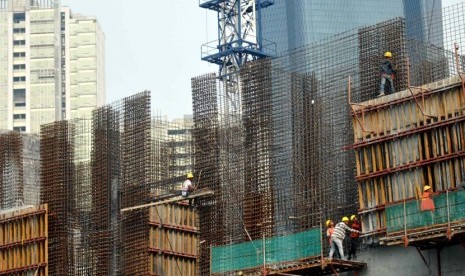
305	139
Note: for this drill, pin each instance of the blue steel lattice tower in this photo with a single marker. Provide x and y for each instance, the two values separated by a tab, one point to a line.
239	34
239	41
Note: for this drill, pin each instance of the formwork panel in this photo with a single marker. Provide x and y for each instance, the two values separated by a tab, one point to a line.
174	240
24	241
418	144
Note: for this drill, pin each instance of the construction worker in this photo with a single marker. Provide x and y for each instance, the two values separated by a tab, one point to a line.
338	236
187	187
387	72
354	236
329	233
427	203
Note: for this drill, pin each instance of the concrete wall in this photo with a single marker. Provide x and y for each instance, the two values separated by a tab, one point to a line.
400	261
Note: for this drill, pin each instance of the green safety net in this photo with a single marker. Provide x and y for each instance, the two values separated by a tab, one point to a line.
277	249
452	203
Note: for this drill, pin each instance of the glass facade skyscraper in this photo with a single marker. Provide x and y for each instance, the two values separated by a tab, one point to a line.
293	24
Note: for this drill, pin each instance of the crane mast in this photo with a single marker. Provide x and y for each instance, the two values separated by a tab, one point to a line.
239	35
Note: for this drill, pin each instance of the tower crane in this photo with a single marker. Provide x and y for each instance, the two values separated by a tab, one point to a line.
239	34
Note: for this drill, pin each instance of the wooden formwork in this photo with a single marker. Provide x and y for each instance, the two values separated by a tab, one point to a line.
405	141
174	240
24	241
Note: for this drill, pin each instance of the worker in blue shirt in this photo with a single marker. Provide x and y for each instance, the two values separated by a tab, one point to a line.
387	72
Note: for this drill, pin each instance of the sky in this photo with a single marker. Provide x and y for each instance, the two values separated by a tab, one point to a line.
155	45
152	45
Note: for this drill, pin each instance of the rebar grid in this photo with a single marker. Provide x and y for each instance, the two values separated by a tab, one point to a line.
206	149
135	188
121	177
65	177
19	169
93	169
11	170
57	190
106	181
277	145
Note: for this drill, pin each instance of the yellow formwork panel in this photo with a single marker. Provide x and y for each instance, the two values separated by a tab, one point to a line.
24	240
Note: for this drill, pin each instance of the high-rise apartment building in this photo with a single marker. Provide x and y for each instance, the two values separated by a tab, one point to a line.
51	64
172	143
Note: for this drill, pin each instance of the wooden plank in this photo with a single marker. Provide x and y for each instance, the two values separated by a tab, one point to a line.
360	196
170	200
365	160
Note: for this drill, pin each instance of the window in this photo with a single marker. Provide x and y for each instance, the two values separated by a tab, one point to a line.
19	116
19	54
63	21
19	42
19	30
19	129
19	79
176	131
19	66
18	17
19	97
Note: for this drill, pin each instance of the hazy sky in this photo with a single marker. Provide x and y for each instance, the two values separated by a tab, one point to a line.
155	45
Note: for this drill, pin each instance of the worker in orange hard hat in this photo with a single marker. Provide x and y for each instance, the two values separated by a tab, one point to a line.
354	236
338	236
387	72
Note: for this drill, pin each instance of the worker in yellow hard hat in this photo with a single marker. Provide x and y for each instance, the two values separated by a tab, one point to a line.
187	186
338	236
354	236
330	228
329	231
387	72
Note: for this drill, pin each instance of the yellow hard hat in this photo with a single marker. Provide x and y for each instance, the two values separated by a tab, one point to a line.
190	175
426	188
353	217
345	219
388	54
328	222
